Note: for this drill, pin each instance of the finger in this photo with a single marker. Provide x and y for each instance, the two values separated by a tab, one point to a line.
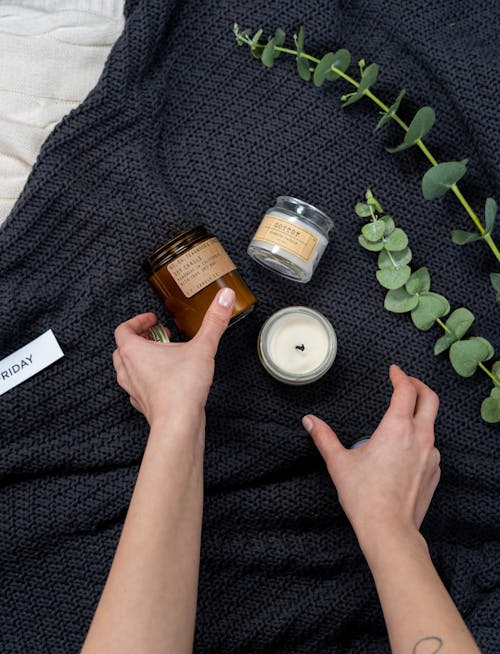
427	401
117	360
134	327
325	439
135	404
216	319
404	396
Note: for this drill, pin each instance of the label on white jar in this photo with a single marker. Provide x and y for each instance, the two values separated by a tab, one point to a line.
200	266
290	236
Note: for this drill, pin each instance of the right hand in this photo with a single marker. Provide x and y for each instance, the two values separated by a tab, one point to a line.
388	483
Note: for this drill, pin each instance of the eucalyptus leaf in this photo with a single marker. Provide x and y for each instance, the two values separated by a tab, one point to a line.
394	259
495	282
373	231
399	301
438	179
390	112
458	323
490	408
303	68
362	210
342	61
461	237
490	212
372	201
420	126
321	70
267	57
389	225
495	369
430	307
397	240
241	36
393	278
373	247
368	78
255	47
419	282
279	38
300	41
466	355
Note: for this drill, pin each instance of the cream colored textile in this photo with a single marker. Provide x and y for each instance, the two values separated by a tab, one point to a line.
52	53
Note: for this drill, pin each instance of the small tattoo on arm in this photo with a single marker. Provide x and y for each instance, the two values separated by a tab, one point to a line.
428	645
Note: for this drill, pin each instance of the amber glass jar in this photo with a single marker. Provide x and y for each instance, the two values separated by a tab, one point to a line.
186	273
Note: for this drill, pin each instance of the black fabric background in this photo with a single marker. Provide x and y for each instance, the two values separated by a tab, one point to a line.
183	128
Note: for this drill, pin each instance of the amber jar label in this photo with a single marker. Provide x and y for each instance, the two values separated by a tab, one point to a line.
290	236
200	266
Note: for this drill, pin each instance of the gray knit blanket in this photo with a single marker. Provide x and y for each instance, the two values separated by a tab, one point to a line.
185	128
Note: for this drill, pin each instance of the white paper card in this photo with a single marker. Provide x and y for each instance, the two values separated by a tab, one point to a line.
28	360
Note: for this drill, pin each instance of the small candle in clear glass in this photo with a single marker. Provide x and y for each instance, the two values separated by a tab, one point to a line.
297	345
291	239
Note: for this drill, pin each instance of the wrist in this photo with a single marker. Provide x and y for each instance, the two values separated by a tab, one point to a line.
382	544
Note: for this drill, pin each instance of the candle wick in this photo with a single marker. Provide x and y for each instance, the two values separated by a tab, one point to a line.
300	347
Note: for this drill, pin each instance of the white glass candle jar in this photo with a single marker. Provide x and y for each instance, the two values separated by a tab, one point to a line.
297	345
291	238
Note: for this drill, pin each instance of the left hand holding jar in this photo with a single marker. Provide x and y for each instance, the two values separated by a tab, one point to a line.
163	378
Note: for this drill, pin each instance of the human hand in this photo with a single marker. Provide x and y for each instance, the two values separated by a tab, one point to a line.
165	377
387	484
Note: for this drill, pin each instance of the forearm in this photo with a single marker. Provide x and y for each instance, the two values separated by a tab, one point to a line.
149	600
420	615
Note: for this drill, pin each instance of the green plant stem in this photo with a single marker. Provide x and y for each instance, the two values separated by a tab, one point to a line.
441	324
481	365
490	374
488	239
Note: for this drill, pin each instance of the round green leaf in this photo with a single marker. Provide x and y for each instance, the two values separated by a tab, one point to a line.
399	301
393	277
321	70
373	247
420	125
303	68
373	231
430	307
461	237
419	282
495	392
400	258
389	225
368	77
458	323
438	179
496	370
490	212
391	111
466	355
267	57
495	282
279	39
443	343
490	410
362	210
397	240
342	61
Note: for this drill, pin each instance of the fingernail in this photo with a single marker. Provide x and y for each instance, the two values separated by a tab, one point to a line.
307	423
226	297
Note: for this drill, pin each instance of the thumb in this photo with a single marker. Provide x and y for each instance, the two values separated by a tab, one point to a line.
216	319
325	439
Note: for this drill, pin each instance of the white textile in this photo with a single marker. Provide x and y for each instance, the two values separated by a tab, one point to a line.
52	53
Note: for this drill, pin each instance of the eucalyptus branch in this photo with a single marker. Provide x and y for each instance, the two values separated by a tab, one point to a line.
438	179
410	291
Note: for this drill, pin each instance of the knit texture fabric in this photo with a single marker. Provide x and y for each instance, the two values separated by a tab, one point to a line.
185	128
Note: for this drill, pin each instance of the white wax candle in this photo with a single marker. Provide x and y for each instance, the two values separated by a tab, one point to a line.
297	345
